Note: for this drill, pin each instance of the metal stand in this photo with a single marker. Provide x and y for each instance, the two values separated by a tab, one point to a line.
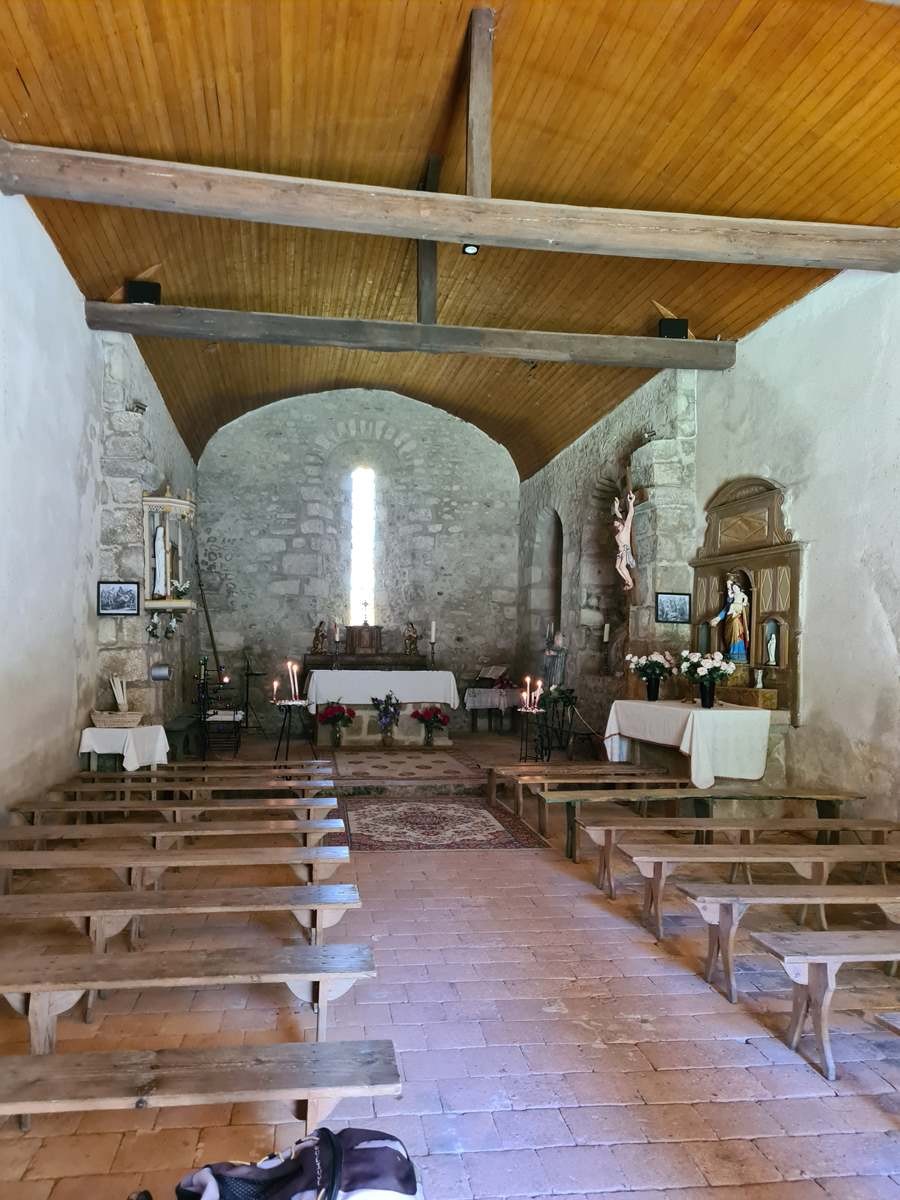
286	708
535	740
432	644
249	674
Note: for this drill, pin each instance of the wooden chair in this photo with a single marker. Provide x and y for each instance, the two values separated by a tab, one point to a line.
812	961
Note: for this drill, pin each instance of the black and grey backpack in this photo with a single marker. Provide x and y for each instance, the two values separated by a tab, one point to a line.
354	1164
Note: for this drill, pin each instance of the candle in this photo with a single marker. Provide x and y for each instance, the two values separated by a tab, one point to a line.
549	630
296	673
274	691
290	667
606	632
524	699
433	638
528	691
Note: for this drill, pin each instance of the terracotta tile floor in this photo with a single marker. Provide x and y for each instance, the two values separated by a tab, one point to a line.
548	1043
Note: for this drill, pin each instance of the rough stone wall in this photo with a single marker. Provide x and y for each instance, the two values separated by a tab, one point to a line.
141	452
275	529
652	435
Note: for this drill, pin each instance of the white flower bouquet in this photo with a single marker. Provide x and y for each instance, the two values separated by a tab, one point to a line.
658	665
709	668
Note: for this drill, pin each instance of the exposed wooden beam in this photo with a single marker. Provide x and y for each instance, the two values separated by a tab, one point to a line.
426	256
396	212
479	112
226	325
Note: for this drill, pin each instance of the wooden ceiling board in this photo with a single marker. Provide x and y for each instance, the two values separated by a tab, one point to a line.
778	108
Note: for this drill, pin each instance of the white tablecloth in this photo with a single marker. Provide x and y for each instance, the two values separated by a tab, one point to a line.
358	687
142	747
730	741
490	698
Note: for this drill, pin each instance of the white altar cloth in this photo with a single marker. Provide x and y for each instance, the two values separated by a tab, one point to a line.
729	741
358	687
142	747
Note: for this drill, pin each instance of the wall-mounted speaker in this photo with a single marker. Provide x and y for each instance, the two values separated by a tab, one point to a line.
673	327
142	291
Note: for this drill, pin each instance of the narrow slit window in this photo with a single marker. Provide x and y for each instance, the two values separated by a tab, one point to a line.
362	546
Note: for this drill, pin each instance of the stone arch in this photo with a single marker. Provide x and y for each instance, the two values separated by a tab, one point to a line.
545	579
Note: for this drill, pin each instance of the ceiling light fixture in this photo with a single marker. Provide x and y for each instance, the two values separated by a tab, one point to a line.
469	248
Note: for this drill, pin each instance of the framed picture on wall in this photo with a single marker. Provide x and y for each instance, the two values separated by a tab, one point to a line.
117	598
673	608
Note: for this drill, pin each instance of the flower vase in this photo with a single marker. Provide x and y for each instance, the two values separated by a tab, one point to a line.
337	736
429	738
707	692
652	687
387	739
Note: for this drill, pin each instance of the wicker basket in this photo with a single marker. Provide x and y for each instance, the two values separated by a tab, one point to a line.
116	720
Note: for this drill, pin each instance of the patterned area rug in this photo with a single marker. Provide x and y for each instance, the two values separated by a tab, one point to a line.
451	823
407	764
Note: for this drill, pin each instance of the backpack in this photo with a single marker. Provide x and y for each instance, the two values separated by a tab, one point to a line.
354	1164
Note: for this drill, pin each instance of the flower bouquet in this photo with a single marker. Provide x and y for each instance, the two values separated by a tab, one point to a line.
432	717
706	670
555	694
338	716
388	713
652	668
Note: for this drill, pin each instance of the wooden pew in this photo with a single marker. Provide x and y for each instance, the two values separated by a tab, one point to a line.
655	862
101	915
622	787
139	865
193	786
42	988
163	832
812	961
312	1075
510	773
721	905
604	831
268	804
198	768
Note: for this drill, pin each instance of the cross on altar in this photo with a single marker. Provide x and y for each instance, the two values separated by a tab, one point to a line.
365	612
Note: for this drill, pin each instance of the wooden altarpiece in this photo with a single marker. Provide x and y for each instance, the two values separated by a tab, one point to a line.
747	539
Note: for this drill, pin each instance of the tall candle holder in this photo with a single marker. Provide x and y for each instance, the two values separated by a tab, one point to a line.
432	644
336	653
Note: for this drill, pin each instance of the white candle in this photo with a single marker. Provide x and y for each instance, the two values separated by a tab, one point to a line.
337	633
290	667
524	699
433	638
296	681
549	630
606	632
274	691
528	691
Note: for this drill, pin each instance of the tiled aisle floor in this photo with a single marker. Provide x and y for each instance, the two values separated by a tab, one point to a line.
549	1046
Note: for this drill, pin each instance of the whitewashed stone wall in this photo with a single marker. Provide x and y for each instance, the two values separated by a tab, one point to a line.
141	452
275	528
652	435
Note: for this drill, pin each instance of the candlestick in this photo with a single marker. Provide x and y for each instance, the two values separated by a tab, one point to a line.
528	691
606	632
433	637
274	691
524	699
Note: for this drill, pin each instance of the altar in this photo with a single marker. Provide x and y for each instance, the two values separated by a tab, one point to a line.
357	687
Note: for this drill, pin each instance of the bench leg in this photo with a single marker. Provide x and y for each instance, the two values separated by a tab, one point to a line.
729	919
542	816
573	812
798	1014
519	801
653	903
822	981
321	1011
712	951
606	879
491	786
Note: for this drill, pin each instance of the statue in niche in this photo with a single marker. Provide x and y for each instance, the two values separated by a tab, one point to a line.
625	561
410	639
320	638
159	563
772	647
555	662
736	615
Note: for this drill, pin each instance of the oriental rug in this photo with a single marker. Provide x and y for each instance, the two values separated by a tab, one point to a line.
439	823
414	765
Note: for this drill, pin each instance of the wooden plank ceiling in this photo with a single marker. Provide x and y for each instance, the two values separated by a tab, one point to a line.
778	108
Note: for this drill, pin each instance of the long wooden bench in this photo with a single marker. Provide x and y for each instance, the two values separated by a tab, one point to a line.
198	768
721	905
139	866
47	806
812	961
655	861
605	830
194	786
101	915
622	788
313	1075
565	772
161	833
42	988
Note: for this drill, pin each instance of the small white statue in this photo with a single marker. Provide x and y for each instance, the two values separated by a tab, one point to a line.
771	646
159	563
625	561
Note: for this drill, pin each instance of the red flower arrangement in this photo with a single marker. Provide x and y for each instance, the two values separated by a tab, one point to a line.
336	714
431	716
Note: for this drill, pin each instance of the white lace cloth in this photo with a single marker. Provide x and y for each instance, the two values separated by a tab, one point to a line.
142	747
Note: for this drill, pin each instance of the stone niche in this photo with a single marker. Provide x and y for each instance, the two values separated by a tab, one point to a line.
746	538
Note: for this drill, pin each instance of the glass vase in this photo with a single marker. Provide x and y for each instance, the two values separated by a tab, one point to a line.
387	739
337	736
429	737
707	692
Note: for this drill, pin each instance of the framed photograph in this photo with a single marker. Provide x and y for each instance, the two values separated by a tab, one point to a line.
673	608
116	598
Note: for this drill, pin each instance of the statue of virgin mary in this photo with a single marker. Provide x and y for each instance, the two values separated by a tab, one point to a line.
736	615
